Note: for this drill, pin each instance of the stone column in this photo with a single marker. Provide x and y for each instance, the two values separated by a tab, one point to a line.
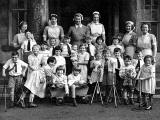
37	17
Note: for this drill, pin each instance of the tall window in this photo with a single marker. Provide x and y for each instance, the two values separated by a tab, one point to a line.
17	13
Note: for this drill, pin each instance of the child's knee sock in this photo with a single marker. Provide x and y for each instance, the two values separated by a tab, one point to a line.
12	94
125	94
31	97
73	91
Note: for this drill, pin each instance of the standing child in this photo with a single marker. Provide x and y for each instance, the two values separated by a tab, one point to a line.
128	73
27	46
52	42
45	52
59	83
115	44
119	63
148	83
83	58
35	82
75	47
66	52
16	69
77	84
109	71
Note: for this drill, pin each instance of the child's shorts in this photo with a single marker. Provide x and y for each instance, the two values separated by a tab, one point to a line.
15	81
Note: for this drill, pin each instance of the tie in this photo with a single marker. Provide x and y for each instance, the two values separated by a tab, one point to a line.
106	64
138	65
69	49
88	49
53	51
28	45
118	63
15	65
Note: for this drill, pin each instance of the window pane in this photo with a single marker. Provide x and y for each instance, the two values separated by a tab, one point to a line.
147	2
147	15
154	15
155	7
21	4
155	2
147	7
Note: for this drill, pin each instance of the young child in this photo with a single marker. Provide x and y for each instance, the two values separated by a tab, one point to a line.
77	84
45	52
118	64
27	46
36	81
128	74
59	83
148	83
100	44
75	47
97	72
66	52
83	58
115	44
109	71
16	69
60	59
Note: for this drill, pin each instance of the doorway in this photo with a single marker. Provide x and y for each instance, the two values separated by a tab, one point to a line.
67	9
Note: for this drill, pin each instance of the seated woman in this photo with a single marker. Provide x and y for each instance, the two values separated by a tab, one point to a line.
77	84
59	87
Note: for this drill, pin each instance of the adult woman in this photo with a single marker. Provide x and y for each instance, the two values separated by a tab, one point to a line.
20	37
129	39
53	30
78	31
95	28
147	42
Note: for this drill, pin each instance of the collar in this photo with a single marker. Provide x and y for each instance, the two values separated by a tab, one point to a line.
54	25
96	23
78	25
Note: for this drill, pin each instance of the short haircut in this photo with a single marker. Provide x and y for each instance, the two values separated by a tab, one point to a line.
15	53
149	56
36	46
22	23
76	69
58	48
138	51
51	59
60	68
117	50
106	50
127	57
99	37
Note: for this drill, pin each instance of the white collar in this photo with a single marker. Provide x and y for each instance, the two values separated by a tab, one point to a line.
78	25
96	23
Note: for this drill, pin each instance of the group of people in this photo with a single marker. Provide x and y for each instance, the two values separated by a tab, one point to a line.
71	64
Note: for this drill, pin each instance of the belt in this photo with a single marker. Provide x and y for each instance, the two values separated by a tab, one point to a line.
15	76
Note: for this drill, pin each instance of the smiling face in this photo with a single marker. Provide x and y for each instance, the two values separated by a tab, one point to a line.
57	52
53	20
77	20
117	54
128	27
59	72
127	62
23	28
115	41
35	50
14	58
145	28
95	18
98	56
52	42
82	49
148	61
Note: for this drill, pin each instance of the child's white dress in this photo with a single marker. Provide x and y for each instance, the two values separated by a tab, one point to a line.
36	81
46	55
81	58
148	86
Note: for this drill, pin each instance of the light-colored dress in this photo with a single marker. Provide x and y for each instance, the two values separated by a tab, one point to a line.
148	86
60	61
54	31
81	58
46	55
36	81
95	30
129	42
97	72
145	43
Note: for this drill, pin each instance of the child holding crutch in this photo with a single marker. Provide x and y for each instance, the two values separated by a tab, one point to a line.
17	69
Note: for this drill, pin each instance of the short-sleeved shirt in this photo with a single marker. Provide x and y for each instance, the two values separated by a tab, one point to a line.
83	57
25	44
60	79
19	39
60	61
77	34
72	79
11	66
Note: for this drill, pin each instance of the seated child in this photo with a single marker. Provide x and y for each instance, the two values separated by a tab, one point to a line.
77	84
59	85
128	73
16	69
